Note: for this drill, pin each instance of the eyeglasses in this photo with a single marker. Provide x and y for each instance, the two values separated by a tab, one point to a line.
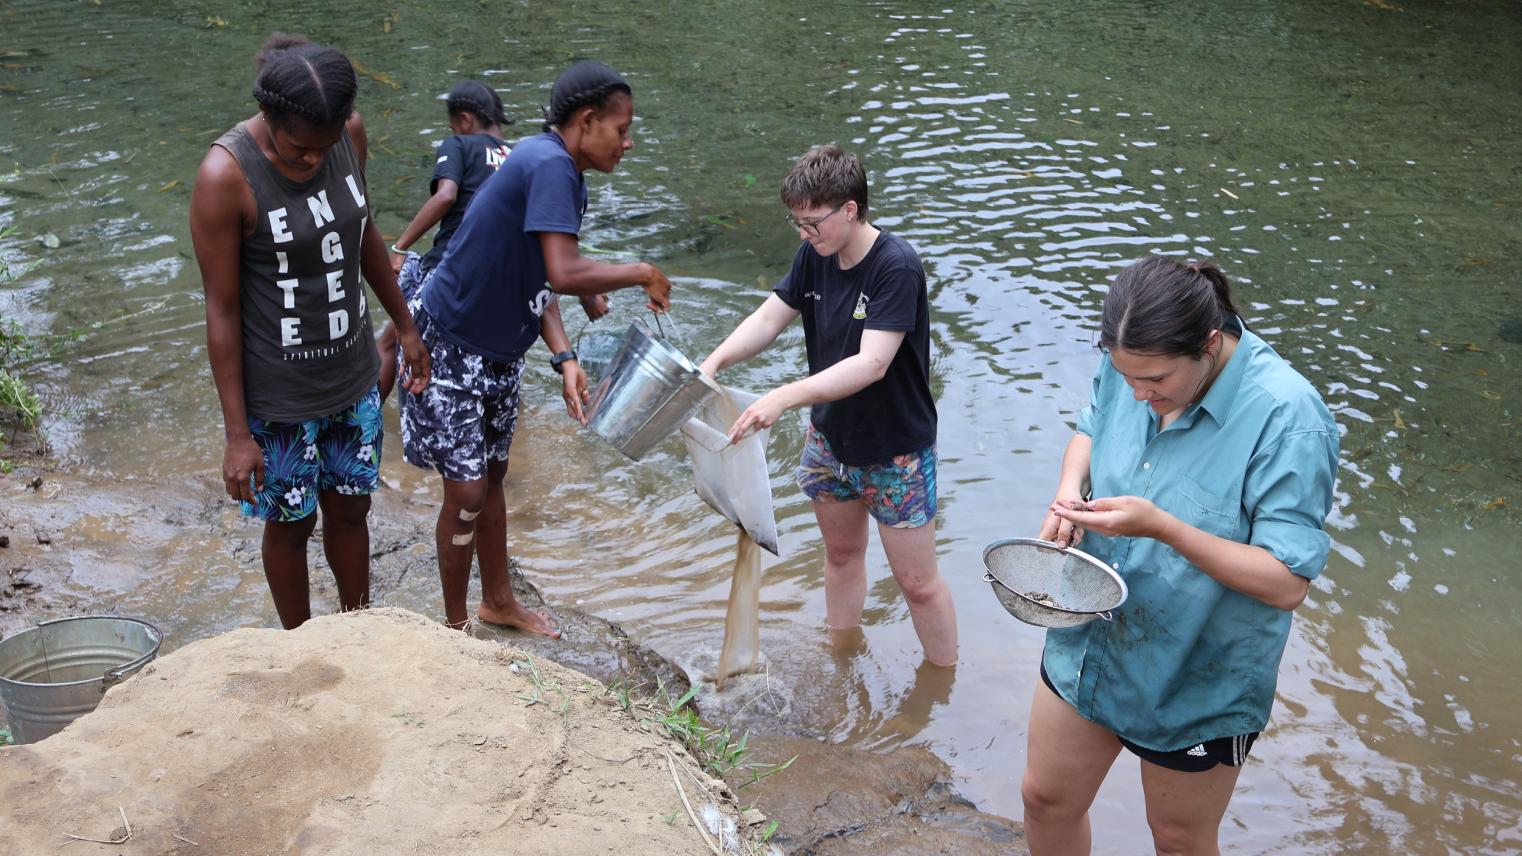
811	227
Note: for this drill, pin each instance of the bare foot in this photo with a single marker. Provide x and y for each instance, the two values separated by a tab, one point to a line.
517	617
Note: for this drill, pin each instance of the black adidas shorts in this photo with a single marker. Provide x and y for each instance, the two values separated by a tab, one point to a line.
1231	751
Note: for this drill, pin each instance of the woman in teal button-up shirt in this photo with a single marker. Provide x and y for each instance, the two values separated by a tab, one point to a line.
1201	471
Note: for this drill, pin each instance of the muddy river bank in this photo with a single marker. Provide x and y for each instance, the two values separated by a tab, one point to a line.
828	799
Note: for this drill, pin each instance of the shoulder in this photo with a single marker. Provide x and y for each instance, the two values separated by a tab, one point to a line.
894	262
539	147
897	249
1284	397
221	173
355	128
895	255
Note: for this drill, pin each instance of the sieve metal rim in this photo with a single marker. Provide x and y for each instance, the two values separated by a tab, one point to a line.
1073	552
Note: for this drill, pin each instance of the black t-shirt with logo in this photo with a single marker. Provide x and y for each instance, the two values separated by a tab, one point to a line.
884	291
468	161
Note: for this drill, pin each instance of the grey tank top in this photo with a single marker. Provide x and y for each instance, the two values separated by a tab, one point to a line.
308	350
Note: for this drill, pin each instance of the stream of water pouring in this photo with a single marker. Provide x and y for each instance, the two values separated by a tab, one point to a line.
742	622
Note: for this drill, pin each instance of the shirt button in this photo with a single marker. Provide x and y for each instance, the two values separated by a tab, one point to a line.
1146	465
1115	565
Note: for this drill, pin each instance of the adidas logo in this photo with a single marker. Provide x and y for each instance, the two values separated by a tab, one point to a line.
1197	751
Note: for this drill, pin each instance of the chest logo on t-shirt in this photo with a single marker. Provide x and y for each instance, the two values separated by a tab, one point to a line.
861	307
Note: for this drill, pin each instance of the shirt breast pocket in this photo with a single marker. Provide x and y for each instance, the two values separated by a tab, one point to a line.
1212	512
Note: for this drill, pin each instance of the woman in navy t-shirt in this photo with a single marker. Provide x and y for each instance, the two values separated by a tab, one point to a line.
491	296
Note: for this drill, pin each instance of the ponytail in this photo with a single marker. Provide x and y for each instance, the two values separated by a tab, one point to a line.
1159	305
1222	288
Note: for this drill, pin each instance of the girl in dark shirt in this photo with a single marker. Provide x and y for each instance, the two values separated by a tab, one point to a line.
282	233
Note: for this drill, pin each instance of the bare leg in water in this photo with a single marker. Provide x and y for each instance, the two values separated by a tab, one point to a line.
473	521
498	604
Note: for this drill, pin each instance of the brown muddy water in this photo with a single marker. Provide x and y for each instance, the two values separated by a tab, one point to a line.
1354	165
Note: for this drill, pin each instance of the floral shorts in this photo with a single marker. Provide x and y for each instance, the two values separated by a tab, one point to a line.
900	493
340	453
466	415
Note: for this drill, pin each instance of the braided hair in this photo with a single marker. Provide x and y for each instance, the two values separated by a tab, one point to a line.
584	84
298	79
472	96
1160	305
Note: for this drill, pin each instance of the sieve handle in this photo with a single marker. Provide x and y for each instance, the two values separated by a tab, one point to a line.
1105	615
990	578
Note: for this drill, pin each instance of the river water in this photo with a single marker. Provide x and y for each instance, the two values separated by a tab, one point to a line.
1353	165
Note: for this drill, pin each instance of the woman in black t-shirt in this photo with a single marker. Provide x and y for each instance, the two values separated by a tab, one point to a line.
870	448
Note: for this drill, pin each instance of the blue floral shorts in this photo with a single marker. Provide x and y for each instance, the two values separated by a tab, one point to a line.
340	453
468	412
900	493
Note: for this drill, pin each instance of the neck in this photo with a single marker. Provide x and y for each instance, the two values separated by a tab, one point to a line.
856	249
572	141
1228	347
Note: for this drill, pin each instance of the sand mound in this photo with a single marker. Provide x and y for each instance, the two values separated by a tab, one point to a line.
369	733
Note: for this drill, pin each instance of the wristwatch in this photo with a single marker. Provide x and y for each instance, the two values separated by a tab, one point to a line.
559	358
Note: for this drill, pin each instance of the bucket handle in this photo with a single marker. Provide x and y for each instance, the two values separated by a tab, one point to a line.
676	334
112	677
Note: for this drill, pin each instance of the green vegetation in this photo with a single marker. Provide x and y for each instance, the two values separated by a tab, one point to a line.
716	748
5	737
542	692
19	407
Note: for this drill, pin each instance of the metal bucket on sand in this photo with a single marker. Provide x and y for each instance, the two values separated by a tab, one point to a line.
56	672
648	392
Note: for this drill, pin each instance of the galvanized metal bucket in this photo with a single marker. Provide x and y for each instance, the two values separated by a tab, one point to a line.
650	390
1046	585
56	672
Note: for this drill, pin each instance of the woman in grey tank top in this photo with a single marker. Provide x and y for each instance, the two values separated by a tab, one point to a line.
282	231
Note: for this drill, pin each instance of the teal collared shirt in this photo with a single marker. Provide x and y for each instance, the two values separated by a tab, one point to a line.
1187	659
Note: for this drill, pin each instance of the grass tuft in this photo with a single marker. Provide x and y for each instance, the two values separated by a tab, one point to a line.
717	748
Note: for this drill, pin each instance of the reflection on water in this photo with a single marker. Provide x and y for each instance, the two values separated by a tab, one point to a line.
1353	165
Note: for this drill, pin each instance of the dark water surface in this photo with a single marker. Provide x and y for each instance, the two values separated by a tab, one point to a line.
1353	165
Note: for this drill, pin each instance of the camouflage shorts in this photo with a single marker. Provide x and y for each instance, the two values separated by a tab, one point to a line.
468	412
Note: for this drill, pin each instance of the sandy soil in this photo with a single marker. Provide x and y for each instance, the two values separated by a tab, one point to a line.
367	733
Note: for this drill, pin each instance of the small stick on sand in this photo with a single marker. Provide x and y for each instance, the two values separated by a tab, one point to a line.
184	839
122	840
682	792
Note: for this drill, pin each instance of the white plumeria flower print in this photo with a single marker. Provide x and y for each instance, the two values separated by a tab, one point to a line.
311	452
294	496
366	452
